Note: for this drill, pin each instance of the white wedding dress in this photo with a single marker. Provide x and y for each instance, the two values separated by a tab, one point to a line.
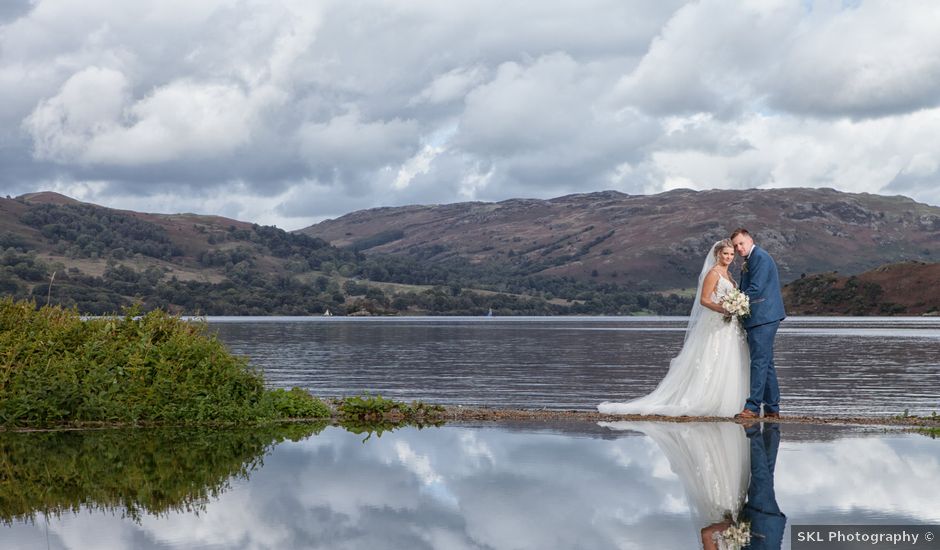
712	461
711	374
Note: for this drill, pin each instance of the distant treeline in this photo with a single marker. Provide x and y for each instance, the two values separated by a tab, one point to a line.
268	271
248	291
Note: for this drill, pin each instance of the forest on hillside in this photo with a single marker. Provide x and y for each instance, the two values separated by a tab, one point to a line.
267	271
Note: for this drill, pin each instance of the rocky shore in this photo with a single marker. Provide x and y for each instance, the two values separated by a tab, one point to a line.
460	413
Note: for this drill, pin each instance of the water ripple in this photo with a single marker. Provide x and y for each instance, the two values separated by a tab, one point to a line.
826	366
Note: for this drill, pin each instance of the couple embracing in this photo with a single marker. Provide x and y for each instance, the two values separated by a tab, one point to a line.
724	368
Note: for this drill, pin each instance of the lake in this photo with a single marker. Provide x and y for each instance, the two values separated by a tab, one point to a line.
490	486
826	366
522	485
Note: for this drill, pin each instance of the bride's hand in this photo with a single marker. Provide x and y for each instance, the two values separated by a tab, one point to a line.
708	534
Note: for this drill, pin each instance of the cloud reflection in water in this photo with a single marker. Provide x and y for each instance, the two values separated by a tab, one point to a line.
497	487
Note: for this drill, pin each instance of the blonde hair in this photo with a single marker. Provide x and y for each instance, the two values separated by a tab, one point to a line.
721	245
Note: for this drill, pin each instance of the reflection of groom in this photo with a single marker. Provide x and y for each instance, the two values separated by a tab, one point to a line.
761	283
767	521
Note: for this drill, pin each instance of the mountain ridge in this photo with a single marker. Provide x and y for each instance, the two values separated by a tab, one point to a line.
654	240
519	256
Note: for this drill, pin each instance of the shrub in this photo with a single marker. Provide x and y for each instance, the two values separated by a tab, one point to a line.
295	403
56	368
368	407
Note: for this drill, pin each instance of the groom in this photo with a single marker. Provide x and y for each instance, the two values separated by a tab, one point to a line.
761	283
767	521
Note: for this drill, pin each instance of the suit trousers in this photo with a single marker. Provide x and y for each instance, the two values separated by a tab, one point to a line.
767	521
764	387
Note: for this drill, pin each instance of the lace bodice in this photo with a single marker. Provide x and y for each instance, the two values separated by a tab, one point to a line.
724	287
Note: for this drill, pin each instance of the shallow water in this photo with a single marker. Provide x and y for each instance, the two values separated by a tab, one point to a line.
494	486
826	366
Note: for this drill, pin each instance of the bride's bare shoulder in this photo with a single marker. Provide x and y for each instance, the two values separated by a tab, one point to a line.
710	282
714	273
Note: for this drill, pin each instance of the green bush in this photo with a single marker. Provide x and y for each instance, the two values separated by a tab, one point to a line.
57	368
367	407
296	403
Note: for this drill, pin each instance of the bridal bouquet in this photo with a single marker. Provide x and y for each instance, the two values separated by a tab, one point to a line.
736	304
737	535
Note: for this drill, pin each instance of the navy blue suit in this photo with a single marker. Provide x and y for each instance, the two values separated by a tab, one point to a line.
761	283
767	521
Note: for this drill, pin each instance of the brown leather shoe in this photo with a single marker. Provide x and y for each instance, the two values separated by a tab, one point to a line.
746	414
772	415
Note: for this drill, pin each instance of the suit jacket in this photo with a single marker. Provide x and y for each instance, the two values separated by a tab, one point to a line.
761	283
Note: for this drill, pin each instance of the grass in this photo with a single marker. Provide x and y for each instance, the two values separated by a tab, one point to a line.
907	414
377	408
931	432
57	368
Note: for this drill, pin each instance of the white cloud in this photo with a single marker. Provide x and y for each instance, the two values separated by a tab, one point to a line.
709	58
420	465
528	107
418	164
450	86
794	152
872	60
89	103
850	466
327	102
348	141
88	122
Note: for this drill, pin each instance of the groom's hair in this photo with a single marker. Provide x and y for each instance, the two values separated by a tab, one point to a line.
740	231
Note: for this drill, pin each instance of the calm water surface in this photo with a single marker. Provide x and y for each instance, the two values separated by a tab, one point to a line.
493	486
826	366
561	486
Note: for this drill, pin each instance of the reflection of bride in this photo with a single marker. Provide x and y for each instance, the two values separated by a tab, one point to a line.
711	374
718	465
712	460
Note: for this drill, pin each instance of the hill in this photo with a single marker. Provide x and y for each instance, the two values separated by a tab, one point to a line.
598	253
911	288
105	258
652	241
59	250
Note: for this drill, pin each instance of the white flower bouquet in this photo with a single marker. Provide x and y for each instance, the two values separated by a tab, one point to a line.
736	304
736	536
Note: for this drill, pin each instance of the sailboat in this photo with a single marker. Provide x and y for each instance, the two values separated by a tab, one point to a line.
327	313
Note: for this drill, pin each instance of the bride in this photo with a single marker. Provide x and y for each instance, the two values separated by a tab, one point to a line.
711	374
713	463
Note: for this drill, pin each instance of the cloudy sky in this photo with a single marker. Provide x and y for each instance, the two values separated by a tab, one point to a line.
288	112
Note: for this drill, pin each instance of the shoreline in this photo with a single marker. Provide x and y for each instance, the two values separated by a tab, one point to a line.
471	413
461	413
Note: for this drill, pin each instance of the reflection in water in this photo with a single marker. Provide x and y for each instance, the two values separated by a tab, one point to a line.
710	459
767	521
131	472
454	487
718	464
